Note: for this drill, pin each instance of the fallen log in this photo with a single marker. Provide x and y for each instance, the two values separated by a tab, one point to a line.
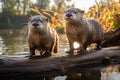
111	38
52	66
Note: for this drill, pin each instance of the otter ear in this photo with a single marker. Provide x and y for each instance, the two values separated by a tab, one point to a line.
46	19
82	11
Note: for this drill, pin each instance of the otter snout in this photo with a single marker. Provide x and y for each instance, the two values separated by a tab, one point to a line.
35	24
68	15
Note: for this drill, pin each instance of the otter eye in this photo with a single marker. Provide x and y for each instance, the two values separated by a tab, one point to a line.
75	12
41	21
46	19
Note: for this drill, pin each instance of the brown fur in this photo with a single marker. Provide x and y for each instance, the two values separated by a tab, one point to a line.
41	37
84	31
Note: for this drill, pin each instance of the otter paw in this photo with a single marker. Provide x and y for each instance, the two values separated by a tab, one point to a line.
98	48
82	51
70	53
46	55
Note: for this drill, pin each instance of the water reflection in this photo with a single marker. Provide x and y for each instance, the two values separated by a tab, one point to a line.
12	43
110	73
1	46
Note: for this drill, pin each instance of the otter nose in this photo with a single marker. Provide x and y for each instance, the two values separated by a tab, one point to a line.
68	15
35	24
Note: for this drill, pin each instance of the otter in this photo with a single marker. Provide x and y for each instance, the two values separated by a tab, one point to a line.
41	36
82	30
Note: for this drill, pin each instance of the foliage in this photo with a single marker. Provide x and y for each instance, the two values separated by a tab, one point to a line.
108	13
42	4
61	5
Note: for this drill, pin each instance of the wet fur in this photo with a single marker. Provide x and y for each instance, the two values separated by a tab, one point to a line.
42	38
84	31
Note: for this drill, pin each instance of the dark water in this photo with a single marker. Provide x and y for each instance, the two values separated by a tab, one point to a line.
13	43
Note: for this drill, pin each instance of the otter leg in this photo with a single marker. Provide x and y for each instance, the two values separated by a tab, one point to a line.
47	52
55	47
98	46
83	49
71	48
32	51
41	52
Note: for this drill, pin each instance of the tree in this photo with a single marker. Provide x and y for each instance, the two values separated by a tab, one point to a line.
61	5
8	5
11	10
26	4
18	7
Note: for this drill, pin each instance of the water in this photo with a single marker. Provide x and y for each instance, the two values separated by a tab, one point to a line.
13	43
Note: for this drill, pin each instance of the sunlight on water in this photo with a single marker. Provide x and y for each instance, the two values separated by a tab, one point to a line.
13	44
76	45
1	46
60	78
110	73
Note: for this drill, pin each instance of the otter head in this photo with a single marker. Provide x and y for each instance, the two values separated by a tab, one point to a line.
37	22
73	14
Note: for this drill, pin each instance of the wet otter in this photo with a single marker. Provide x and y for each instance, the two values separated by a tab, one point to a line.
84	31
41	36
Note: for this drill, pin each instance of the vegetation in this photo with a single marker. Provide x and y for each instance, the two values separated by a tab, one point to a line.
108	13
